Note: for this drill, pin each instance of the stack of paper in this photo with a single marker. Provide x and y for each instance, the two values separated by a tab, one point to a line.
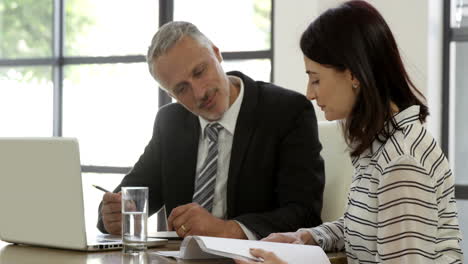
200	247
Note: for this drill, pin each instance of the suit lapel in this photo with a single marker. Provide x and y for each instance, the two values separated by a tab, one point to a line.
188	153
244	128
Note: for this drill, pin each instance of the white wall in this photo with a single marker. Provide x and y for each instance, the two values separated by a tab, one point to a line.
408	21
291	19
434	72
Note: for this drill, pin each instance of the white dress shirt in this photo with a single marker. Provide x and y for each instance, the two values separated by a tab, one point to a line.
226	135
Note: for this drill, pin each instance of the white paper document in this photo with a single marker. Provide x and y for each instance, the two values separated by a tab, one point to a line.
200	247
165	234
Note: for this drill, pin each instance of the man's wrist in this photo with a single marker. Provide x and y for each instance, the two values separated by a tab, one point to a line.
232	230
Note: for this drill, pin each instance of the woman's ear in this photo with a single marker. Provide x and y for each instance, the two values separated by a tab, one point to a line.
355	83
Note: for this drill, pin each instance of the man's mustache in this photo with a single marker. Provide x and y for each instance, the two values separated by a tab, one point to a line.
206	97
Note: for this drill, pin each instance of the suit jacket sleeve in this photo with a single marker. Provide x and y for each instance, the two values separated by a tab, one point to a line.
146	172
299	178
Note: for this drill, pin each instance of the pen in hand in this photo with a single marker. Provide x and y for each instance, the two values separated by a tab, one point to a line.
100	188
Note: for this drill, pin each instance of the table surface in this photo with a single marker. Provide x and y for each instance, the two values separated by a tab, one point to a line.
24	254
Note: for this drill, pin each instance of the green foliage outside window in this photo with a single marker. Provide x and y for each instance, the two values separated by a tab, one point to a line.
262	18
26	31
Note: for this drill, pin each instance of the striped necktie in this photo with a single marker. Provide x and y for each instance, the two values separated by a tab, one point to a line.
205	182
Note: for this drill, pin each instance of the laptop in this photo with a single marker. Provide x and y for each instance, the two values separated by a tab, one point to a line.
41	196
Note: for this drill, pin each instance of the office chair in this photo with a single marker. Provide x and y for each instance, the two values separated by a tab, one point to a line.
338	170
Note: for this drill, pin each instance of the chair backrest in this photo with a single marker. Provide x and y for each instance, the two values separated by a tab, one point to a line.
338	170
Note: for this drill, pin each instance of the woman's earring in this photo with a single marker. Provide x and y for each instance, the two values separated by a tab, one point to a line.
355	86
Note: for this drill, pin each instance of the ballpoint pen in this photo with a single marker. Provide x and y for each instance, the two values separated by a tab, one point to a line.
100	188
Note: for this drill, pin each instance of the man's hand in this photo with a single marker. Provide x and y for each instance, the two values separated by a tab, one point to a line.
192	219
299	237
267	256
111	212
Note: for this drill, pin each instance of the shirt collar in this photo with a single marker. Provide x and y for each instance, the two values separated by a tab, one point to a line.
407	116
402	119
229	119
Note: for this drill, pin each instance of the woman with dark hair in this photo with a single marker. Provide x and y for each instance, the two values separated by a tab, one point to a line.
401	203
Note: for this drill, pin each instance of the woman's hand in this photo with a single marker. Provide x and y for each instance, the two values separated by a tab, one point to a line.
299	237
267	256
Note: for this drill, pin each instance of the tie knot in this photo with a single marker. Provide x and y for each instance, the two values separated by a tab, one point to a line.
212	131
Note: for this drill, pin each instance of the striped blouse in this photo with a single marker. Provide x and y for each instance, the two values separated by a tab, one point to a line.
401	205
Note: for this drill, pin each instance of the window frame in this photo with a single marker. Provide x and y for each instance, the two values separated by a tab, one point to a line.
58	61
450	35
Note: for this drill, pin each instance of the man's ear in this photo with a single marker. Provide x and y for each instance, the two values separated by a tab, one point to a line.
217	53
162	87
168	93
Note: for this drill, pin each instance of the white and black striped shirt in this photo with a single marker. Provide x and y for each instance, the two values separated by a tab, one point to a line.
401	205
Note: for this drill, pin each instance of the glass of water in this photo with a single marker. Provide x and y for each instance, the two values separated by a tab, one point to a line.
134	219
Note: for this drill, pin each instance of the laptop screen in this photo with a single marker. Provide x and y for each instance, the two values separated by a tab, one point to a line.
41	196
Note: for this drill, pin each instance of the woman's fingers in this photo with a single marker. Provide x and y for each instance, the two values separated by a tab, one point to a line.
267	256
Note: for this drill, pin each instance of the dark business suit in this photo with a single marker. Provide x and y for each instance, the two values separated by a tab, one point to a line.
276	174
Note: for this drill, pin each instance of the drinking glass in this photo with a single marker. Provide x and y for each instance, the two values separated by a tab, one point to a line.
134	219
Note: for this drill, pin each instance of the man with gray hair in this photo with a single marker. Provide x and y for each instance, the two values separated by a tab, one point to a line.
233	157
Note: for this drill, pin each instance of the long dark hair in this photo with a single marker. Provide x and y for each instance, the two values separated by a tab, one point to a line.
355	36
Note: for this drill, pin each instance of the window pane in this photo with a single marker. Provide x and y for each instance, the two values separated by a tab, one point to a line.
26	101
462	206
25	28
459	11
258	69
251	30
92	196
111	110
109	27
459	120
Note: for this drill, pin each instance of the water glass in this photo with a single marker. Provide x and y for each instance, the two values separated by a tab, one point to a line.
134	219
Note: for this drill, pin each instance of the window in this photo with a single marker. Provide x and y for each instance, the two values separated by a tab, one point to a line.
73	69
455	98
242	30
